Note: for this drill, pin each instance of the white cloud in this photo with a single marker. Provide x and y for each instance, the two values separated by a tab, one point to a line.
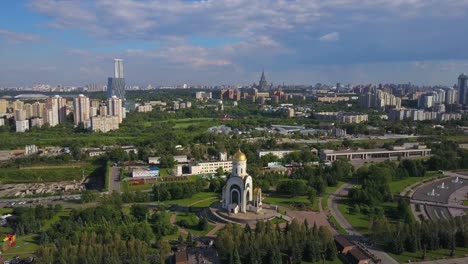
18	37
333	36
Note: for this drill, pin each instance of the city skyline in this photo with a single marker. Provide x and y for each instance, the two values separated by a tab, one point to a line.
230	42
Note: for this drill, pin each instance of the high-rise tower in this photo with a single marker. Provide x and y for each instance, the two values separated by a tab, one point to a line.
81	115
263	85
118	68
116	84
463	89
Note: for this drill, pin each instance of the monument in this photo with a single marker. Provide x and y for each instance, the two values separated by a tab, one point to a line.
238	193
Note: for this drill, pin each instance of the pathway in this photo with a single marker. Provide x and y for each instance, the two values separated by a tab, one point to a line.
333	205
215	230
173	222
445	261
114	180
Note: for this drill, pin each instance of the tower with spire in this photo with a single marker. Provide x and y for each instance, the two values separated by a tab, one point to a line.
263	85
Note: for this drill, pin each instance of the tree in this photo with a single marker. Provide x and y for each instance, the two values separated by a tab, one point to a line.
167	161
88	196
220	171
203	223
139	211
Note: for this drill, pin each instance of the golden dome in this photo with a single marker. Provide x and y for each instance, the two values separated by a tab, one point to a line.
239	156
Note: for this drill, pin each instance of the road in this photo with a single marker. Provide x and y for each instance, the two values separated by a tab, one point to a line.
114	181
333	204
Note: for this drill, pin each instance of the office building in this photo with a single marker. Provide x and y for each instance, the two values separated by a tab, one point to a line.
81	107
114	108
116	84
118	68
463	89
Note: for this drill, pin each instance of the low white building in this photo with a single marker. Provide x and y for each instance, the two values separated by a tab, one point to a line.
210	167
278	153
180	159
2	121
145	173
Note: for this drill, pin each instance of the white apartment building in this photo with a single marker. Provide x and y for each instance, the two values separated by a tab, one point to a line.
104	123
22	125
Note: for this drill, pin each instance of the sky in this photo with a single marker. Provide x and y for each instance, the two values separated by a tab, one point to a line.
214	42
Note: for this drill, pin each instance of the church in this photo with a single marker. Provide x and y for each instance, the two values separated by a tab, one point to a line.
238	193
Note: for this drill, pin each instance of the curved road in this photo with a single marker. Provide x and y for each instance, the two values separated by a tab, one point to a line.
333	204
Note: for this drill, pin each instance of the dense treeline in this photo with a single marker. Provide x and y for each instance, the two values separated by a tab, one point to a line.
375	180
447	156
104	234
269	244
178	190
427	235
30	220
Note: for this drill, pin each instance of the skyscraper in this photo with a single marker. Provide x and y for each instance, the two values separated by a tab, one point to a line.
118	68
81	115
263	85
463	89
116	84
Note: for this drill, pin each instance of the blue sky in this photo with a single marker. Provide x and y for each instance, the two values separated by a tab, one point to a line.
166	42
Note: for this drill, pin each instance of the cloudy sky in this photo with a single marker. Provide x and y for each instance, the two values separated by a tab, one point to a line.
166	42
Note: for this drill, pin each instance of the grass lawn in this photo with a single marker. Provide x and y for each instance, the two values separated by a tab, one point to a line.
358	220
127	187
328	191
202	199
164	172
6	211
192	219
465	202
277	220
396	187
432	255
290	201
337	226
25	247
46	174
57	217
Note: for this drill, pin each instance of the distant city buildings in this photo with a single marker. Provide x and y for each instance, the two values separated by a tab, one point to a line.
203	96
421	115
379	100
343	117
